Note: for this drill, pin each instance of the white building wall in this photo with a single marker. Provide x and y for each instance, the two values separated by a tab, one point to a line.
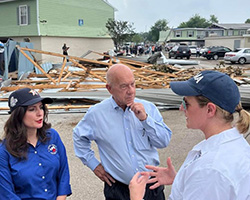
247	40
224	41
78	47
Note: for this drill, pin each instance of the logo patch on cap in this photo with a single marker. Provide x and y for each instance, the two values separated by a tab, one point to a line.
13	101
33	92
198	77
52	148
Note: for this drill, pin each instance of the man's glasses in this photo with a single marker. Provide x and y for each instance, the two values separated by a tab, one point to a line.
184	103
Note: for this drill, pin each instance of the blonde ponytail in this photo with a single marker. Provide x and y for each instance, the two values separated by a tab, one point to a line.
243	122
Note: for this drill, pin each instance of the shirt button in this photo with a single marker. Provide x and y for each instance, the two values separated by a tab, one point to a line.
35	152
133	156
43	177
137	169
45	190
40	164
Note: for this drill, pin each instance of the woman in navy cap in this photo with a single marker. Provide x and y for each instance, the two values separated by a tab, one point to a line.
33	161
218	167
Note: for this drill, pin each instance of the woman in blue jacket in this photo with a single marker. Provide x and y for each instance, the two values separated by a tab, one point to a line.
33	161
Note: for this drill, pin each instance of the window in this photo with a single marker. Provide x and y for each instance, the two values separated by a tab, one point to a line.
242	32
230	32
178	34
201	34
23	15
190	33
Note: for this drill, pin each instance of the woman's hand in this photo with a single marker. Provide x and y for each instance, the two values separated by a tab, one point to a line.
161	175
63	197
137	186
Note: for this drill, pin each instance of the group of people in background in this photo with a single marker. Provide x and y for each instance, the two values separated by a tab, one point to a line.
128	131
140	49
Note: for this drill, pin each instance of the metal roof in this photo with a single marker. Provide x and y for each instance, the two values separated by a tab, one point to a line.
233	26
4	1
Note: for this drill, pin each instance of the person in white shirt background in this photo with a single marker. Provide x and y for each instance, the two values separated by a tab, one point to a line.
219	166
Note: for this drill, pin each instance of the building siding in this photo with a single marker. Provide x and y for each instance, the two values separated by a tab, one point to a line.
62	18
9	19
57	18
224	41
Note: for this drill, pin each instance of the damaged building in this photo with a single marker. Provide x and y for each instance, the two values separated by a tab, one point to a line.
49	24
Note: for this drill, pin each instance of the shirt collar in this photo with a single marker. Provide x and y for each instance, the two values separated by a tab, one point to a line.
216	140
113	103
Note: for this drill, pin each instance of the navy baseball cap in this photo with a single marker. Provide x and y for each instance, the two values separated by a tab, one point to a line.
26	97
218	87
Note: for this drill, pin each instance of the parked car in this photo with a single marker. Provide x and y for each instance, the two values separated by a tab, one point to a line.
240	55
202	50
193	49
181	51
215	52
1	47
169	46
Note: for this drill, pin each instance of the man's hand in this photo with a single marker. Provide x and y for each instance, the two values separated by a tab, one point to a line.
103	175
161	175
137	186
139	111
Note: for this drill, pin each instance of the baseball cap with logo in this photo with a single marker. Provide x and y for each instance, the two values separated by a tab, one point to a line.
26	97
218	87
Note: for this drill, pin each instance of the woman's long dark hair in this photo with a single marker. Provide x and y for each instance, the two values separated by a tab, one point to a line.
16	132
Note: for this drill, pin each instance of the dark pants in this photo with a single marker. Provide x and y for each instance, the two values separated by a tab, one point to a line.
120	191
66	54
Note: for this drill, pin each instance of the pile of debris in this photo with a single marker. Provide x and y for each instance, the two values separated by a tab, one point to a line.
81	74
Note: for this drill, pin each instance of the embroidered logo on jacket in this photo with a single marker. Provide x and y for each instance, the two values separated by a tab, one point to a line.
52	148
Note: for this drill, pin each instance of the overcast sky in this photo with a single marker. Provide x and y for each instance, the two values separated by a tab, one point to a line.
144	13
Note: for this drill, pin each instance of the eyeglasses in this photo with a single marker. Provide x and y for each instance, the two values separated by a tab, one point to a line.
184	103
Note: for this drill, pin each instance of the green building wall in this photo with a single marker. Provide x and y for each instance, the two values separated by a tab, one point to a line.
59	18
9	19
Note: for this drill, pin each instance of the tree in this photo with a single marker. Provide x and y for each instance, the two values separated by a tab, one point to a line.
247	21
160	25
197	22
213	19
145	37
119	31
137	38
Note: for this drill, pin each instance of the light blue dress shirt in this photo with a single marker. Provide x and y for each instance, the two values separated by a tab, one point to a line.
125	143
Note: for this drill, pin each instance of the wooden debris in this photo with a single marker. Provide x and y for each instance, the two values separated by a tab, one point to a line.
87	74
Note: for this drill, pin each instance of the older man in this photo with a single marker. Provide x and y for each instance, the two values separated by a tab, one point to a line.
128	132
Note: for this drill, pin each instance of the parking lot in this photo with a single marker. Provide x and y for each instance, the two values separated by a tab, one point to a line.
204	63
